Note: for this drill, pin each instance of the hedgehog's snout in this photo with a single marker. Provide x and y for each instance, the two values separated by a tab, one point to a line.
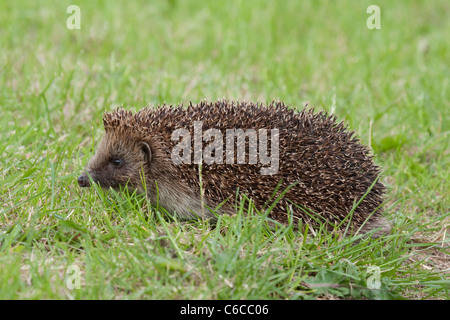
83	180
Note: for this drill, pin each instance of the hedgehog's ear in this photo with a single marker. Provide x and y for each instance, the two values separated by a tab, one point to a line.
147	151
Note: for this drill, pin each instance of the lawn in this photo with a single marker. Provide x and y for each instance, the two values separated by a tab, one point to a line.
391	85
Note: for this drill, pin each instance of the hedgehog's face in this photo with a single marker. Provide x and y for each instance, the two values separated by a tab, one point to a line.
118	162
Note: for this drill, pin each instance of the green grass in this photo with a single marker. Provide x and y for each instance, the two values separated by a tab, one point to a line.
391	85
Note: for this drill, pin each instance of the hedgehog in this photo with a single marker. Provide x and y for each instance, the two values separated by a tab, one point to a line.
303	167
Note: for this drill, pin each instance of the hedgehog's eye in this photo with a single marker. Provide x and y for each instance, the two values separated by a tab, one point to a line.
117	162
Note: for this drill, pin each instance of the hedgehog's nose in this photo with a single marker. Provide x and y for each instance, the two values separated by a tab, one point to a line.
83	181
